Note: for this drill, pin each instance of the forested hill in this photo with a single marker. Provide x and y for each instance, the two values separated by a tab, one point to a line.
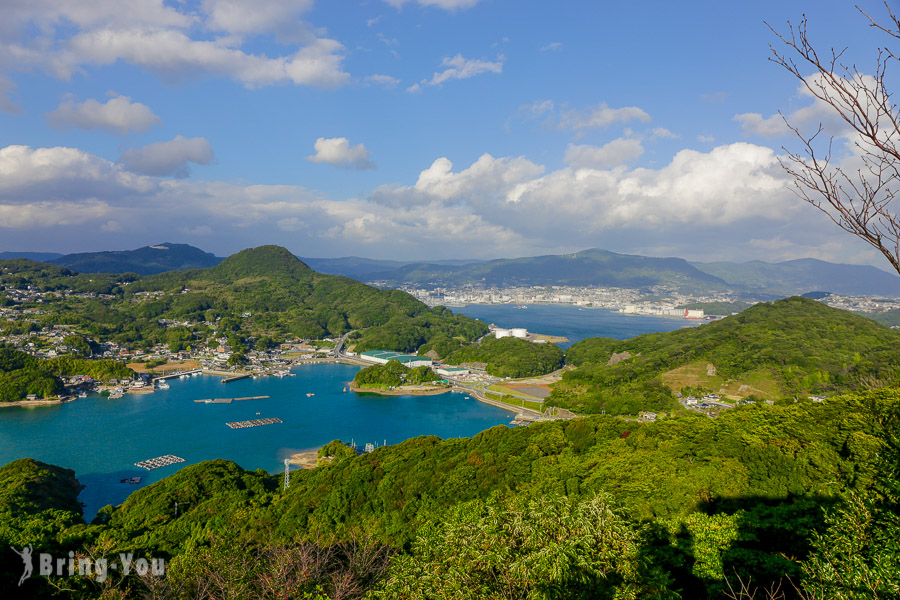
589	508
791	347
143	261
263	292
585	268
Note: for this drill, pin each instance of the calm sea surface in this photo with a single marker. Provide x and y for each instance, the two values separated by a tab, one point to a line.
572	322
101	439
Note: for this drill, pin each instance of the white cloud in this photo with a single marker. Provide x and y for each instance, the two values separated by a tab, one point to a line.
172	54
806	118
252	16
700	204
445	4
706	139
552	46
661	133
338	152
464	68
615	153
6	103
755	123
385	80
168	158
602	116
118	115
173	41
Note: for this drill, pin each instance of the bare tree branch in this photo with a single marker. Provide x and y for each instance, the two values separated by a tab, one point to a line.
857	191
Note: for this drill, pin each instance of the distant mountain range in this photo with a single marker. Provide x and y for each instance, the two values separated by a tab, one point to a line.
143	261
592	267
805	275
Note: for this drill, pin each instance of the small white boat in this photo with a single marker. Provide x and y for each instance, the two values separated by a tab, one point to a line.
310	394
163	385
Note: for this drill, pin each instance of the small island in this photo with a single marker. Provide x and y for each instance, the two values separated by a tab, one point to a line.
392	378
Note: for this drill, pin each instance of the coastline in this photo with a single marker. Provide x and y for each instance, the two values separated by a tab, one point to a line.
35	403
416	390
308	459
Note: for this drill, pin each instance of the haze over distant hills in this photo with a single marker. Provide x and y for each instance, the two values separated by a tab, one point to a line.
805	274
586	268
592	267
143	261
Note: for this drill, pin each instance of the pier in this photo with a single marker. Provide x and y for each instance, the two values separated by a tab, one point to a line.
236	378
229	400
176	375
160	461
254	423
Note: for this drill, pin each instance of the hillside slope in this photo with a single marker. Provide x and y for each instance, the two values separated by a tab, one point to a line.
793	346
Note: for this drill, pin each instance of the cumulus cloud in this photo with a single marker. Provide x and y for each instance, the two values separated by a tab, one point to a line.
168	158
806	118
617	152
173	41
172	55
602	116
338	152
445	4
734	196
252	16
118	115
459	67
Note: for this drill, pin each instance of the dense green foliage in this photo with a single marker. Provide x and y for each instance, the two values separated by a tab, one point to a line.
650	510
22	374
801	346
507	550
393	374
511	357
284	298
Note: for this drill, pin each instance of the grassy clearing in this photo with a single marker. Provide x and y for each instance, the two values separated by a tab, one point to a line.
761	383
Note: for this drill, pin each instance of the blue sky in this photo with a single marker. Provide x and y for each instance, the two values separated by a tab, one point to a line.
411	128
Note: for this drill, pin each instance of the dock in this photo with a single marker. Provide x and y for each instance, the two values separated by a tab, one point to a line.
237	378
160	461
254	423
229	400
176	375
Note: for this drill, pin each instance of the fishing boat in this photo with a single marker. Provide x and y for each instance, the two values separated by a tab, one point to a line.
310	394
131	480
162	385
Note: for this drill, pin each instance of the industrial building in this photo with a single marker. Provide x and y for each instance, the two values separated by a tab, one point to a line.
384	356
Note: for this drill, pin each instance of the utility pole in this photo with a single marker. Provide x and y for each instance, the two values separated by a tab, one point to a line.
287	473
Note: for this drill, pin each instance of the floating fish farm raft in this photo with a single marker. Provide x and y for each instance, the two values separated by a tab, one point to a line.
229	400
254	423
161	461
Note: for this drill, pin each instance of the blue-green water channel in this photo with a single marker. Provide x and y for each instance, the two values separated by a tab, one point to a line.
101	439
572	322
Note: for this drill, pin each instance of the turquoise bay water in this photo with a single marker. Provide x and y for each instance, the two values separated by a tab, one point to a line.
571	321
101	439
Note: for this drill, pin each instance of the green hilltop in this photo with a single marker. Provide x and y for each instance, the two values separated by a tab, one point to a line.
283	296
787	348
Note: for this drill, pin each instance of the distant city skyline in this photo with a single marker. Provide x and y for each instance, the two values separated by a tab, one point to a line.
393	129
